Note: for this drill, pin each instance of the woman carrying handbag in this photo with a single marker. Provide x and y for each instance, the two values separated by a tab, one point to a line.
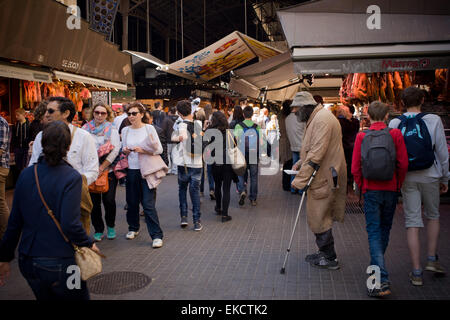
222	170
142	145
107	141
44	255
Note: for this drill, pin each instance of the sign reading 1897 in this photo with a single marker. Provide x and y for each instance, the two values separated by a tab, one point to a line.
163	92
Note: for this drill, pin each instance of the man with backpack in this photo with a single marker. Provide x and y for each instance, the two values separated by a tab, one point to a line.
426	179
249	139
190	164
379	166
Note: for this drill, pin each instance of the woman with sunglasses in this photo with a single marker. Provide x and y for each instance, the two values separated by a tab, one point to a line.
135	138
107	141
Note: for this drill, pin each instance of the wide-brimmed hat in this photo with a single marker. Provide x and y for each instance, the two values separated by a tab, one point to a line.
303	98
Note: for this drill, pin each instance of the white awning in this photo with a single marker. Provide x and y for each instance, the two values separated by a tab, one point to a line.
24	73
93	81
145	56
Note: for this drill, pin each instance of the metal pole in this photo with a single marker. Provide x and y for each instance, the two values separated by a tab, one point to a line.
87	10
148	28
204	23
246	17
176	30
182	34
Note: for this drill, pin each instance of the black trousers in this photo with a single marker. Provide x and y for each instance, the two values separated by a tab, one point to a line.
109	202
325	242
223	175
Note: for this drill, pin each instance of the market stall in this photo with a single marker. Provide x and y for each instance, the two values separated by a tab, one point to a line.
376	55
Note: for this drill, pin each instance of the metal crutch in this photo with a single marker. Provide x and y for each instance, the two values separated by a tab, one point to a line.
316	167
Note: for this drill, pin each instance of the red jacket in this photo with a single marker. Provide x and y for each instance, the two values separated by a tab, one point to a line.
402	162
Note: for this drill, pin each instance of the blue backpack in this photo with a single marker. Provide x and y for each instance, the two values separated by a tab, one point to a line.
418	142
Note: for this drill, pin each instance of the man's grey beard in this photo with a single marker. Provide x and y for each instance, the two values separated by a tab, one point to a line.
304	113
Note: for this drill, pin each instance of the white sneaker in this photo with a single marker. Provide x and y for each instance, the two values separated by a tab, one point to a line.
132	234
157	243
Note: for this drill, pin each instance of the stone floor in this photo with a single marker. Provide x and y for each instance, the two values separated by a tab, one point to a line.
241	259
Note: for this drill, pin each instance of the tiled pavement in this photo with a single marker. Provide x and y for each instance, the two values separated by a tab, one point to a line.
241	259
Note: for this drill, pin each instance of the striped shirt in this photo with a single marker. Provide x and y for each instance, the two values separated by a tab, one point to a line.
4	142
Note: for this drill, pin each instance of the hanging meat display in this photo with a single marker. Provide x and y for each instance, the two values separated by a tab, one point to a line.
390	96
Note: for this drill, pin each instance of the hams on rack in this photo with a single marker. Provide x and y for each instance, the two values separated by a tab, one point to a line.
385	87
390	96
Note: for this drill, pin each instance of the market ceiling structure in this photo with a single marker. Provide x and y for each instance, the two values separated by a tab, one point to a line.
204	22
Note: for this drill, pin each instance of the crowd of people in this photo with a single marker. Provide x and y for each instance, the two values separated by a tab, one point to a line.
135	147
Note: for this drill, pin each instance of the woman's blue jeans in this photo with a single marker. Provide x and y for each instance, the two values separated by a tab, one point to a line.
137	191
48	278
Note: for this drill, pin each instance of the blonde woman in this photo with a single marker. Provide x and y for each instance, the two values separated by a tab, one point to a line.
107	142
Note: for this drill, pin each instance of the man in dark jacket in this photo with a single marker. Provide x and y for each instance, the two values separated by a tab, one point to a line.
20	140
350	128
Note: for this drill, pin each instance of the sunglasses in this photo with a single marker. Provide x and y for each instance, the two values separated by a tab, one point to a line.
50	111
134	114
100	113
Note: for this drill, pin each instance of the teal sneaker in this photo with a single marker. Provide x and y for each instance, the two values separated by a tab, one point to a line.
111	233
98	236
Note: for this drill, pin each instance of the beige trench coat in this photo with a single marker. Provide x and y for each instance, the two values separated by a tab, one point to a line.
322	144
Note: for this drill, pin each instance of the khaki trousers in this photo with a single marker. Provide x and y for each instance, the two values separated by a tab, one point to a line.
4	210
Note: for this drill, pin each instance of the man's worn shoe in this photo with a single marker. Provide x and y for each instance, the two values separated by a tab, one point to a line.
212	195
383	291
242	198
313	256
434	266
323	263
218	211
184	222
253	202
416	280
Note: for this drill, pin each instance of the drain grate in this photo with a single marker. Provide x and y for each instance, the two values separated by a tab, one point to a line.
353	207
118	282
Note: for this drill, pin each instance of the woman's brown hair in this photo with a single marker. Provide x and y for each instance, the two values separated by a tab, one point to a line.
141	108
109	117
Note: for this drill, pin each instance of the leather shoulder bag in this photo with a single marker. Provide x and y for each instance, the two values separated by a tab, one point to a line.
89	261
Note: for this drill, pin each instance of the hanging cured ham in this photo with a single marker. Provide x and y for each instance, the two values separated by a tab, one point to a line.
383	86
390	96
398	87
362	87
407	80
375	85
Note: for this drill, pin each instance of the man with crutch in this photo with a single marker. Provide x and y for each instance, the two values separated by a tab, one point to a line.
321	153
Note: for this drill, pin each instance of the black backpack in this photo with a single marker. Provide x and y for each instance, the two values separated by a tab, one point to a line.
194	144
378	156
418	142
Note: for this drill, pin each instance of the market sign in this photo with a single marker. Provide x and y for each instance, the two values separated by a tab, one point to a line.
163	92
321	67
222	57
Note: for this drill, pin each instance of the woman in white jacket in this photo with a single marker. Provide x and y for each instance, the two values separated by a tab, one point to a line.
136	139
